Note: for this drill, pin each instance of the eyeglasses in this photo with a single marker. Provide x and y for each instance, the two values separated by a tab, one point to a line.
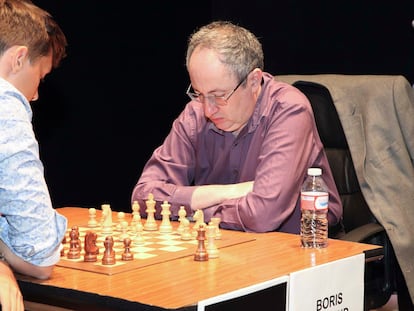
213	99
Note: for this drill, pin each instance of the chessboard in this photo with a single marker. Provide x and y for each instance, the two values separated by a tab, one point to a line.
154	246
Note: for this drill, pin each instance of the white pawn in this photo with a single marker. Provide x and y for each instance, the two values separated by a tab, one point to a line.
135	219
135	208
136	216
211	248
124	231
121	218
216	223
139	239
92	223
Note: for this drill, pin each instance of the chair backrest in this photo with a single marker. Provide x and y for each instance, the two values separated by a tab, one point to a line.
379	281
356	210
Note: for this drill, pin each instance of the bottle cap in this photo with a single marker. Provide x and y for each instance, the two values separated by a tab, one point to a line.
314	171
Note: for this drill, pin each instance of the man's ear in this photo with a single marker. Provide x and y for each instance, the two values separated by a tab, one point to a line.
256	77
19	56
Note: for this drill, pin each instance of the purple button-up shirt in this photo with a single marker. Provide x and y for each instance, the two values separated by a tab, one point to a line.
275	149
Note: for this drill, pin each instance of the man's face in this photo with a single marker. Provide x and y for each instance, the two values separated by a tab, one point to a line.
27	78
210	78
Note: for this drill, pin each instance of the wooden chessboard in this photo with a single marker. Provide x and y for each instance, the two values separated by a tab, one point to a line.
158	247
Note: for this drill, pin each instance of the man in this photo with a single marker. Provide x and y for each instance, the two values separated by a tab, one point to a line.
31	231
241	148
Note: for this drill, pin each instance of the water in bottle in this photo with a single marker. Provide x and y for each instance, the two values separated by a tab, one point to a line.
314	207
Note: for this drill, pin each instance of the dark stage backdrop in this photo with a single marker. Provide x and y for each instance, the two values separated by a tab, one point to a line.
113	100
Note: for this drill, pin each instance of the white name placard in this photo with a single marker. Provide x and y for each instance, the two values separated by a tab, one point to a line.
335	286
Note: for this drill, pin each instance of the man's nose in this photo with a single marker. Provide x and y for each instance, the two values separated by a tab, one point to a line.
35	96
209	108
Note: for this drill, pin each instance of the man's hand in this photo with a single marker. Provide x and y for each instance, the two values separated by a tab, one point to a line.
10	295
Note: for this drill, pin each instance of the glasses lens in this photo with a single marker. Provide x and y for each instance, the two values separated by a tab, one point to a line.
211	99
193	96
219	101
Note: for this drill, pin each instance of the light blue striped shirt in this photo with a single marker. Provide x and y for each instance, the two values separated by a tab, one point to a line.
29	225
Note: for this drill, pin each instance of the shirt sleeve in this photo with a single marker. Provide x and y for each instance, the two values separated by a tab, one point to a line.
169	173
29	225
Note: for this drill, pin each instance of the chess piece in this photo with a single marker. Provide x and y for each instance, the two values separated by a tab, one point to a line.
127	255
92	223
107	219
165	226
212	249
121	218
74	248
124	231
76	236
136	216
150	224
139	239
185	233
216	222
181	214
199	221
135	219
135	208
109	253
201	252
62	250
91	250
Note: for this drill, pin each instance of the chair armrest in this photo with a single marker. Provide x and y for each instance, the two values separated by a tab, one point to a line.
362	233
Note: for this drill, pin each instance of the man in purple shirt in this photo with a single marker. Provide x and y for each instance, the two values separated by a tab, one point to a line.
241	148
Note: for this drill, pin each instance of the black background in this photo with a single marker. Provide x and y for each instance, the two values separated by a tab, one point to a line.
114	97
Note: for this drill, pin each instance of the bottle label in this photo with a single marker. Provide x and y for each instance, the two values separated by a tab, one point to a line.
310	200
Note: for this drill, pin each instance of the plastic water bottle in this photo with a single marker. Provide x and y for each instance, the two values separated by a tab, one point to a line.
314	207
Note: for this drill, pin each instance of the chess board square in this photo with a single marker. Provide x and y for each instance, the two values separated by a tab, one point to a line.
194	242
138	243
170	242
167	237
142	249
172	248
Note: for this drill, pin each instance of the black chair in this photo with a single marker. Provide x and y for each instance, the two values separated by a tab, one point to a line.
359	224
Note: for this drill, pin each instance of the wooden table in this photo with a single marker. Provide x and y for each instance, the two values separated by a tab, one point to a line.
181	283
